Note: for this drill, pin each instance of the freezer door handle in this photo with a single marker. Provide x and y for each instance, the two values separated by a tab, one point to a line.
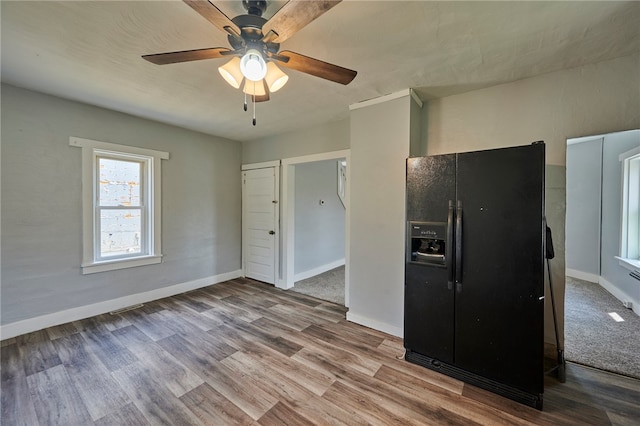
459	247
449	247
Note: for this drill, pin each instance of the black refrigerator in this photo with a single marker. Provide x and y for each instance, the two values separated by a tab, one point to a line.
474	271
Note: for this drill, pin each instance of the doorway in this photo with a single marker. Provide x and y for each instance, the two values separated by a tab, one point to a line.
598	285
288	215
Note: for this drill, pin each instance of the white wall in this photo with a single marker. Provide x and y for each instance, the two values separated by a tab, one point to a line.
319	228
333	136
589	100
41	206
380	141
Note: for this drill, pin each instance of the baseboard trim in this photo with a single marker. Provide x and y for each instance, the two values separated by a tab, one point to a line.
376	325
319	270
29	325
620	295
586	276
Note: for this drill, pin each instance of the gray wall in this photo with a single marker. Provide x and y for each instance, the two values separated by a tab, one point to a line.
584	180
555	207
41	205
594	178
319	229
614	145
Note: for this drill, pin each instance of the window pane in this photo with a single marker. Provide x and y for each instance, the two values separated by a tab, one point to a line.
119	182
120	232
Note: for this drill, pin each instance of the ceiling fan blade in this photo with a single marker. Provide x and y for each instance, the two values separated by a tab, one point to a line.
317	67
270	37
214	15
295	15
187	55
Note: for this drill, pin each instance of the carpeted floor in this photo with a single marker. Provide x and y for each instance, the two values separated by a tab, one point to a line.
592	337
327	286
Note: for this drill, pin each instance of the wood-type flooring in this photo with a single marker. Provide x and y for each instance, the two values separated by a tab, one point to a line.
245	353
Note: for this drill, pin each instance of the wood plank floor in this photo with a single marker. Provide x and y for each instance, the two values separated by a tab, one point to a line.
245	353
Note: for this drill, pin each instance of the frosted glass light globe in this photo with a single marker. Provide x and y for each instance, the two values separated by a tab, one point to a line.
253	66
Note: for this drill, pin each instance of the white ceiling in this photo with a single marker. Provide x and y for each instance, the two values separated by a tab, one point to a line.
90	51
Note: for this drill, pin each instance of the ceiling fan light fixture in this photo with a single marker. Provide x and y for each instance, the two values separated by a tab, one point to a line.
275	78
255	88
253	66
232	73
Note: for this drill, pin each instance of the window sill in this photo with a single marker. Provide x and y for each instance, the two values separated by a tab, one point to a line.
630	264
112	265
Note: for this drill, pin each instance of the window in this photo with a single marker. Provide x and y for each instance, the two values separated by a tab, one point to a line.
630	235
120	231
121	205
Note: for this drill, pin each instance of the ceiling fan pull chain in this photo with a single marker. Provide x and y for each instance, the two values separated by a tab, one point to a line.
253	97
245	102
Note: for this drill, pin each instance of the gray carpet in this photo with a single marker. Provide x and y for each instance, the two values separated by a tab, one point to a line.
327	286
592	337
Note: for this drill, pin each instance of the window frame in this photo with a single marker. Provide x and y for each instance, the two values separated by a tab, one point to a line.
146	200
151	192
630	219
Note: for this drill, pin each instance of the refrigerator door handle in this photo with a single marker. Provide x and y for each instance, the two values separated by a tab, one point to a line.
459	247
449	247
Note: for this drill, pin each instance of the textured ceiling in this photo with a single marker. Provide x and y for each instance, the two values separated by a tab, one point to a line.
90	51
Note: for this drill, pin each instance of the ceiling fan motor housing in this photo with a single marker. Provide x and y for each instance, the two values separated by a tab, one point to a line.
251	35
255	7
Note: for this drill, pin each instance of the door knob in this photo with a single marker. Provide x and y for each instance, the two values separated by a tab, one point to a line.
272	232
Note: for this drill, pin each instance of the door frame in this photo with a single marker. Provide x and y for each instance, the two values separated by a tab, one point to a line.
287	215
276	252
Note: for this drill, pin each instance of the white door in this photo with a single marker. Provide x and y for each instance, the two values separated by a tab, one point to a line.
260	212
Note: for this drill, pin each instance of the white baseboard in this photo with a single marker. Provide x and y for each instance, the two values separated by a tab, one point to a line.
586	276
376	325
317	271
18	328
620	295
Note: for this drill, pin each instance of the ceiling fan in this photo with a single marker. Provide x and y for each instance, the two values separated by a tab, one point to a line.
255	43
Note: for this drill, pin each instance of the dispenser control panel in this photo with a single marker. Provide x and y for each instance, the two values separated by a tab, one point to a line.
427	243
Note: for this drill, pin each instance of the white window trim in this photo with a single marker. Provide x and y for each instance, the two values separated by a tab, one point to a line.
146	200
90	148
629	262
